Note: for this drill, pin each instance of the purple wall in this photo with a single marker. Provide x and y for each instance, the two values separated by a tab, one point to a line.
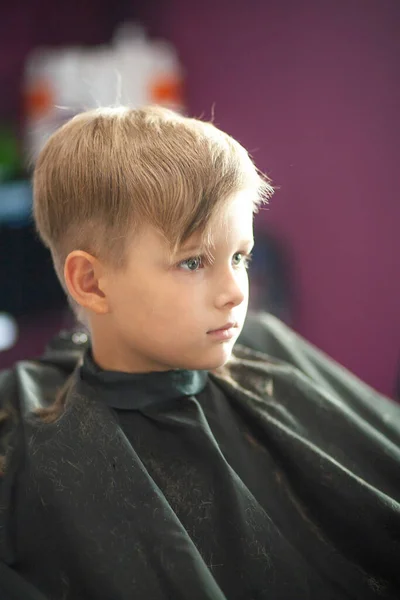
312	89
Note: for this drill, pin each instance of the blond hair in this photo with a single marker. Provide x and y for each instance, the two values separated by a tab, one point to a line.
108	171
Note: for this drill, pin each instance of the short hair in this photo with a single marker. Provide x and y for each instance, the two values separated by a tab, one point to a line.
107	171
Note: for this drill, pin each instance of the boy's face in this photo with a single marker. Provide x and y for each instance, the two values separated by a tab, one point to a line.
162	313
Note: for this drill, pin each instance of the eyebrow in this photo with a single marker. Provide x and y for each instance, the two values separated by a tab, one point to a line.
202	248
191	248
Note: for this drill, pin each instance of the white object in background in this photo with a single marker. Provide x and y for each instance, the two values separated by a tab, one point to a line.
97	79
132	71
134	62
166	81
8	332
50	95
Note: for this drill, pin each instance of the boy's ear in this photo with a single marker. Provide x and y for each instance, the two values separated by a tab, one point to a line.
83	274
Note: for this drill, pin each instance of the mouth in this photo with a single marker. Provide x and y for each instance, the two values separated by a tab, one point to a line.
228	328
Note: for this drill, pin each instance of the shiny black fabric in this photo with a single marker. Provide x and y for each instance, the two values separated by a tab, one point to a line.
127	391
272	480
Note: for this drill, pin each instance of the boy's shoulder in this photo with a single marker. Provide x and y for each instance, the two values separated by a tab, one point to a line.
338	425
270	347
276	374
31	385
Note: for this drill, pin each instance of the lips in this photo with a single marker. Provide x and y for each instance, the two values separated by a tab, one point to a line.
224	327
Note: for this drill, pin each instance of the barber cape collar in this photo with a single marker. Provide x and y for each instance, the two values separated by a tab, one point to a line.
130	391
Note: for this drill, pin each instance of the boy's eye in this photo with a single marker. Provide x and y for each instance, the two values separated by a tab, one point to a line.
240	258
194	263
191	264
237	258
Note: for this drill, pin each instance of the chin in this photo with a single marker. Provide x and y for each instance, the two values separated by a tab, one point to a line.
216	359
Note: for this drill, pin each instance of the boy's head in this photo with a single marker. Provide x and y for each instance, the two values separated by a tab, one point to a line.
123	198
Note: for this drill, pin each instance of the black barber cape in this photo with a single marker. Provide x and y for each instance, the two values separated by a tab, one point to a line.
273	480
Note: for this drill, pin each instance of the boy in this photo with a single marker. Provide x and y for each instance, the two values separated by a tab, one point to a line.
166	465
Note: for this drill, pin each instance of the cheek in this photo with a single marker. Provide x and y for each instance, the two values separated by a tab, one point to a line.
244	282
127	297
153	297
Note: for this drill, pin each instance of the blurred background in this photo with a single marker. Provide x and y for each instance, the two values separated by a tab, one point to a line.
311	88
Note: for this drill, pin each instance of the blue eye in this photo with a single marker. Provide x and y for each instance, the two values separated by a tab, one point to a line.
239	256
243	259
193	264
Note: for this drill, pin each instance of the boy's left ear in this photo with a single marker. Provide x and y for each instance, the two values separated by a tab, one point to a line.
85	277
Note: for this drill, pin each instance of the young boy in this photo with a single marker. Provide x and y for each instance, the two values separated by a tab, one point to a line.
155	462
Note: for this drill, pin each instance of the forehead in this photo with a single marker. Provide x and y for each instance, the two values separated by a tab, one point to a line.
236	216
232	225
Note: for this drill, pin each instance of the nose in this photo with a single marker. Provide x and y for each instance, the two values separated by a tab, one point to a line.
232	288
